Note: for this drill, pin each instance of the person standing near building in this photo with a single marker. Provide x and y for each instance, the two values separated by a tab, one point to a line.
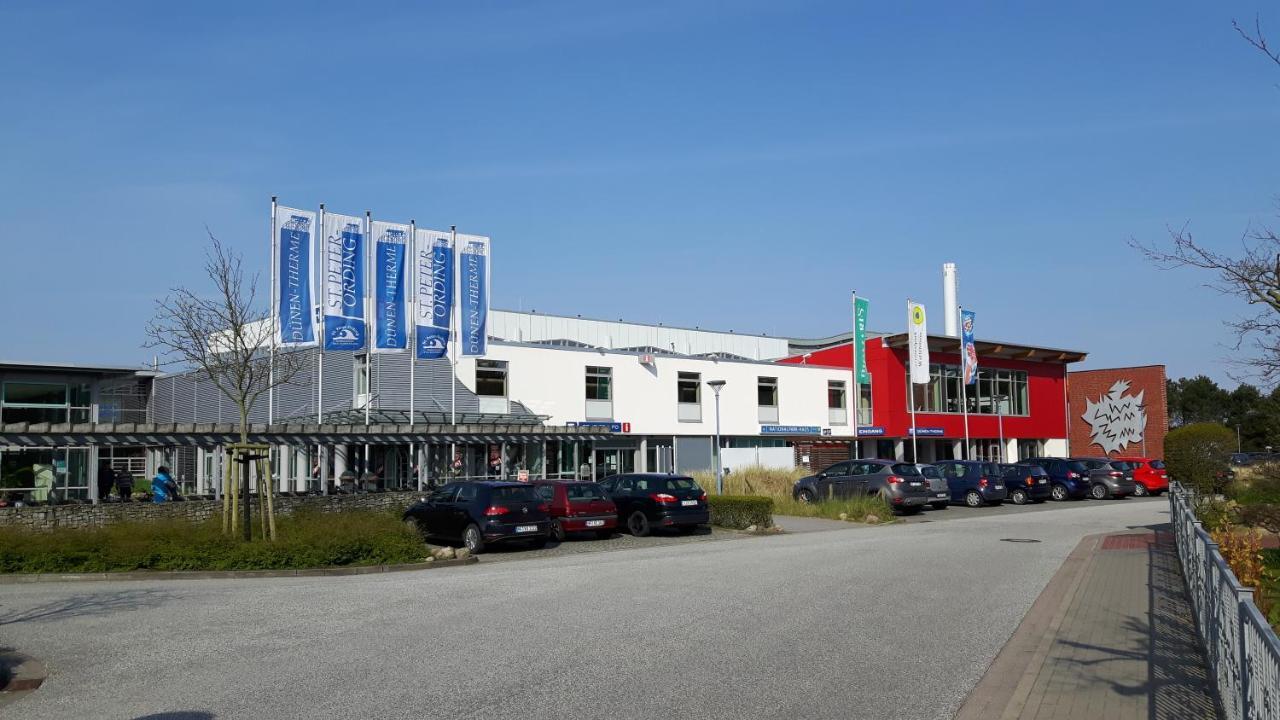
162	486
106	480
124	484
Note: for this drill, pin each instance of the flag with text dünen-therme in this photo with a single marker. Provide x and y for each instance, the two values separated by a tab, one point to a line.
918	343
473	293
390	306
344	282
433	292
293	237
970	359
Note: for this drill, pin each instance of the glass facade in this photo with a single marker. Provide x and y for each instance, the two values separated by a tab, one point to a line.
996	392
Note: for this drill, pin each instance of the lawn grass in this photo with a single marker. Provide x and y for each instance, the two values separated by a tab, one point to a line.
308	539
854	509
777	483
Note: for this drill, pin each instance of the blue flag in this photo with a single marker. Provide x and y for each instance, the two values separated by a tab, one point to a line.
433	293
344	287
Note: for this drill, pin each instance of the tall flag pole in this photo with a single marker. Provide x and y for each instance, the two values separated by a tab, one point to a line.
918	355
275	323
453	347
413	303
968	366
861	307
320	267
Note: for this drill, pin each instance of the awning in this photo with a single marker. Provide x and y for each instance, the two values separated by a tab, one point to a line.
215	434
993	348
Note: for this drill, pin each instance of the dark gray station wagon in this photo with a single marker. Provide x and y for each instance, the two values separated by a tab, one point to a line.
900	483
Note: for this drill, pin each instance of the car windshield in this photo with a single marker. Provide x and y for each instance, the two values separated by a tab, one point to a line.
584	491
931	472
1077	466
1122	465
513	494
1032	470
906	470
991	469
668	484
1094	464
1157	464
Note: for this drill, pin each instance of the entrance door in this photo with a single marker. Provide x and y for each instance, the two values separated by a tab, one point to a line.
614	462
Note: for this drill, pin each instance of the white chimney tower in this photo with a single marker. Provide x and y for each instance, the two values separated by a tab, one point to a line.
950	290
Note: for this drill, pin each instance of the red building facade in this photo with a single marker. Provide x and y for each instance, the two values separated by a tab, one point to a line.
1017	408
1119	412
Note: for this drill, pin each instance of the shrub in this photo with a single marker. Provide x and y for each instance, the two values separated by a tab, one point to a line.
307	539
1260	486
1197	455
754	480
740	511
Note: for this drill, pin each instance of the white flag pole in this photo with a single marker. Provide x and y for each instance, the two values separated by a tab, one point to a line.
964	389
411	304
457	325
911	383
275	323
319	320
854	388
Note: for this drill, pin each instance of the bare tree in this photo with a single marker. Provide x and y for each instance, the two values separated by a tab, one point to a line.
1252	275
226	337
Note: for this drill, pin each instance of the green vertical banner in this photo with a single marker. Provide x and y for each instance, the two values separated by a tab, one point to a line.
860	308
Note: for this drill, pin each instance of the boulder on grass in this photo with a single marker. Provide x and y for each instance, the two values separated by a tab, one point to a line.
844	516
444	553
462	553
872	519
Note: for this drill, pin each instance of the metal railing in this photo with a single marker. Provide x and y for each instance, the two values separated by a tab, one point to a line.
1243	650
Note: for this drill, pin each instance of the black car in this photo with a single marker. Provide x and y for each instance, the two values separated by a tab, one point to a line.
1068	478
647	501
482	513
974	482
901	484
1026	482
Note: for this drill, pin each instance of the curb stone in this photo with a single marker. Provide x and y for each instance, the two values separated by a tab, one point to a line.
19	579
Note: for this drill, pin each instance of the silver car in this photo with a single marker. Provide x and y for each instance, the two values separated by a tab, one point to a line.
939	493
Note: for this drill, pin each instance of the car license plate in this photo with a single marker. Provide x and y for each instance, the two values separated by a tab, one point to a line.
941	495
595	523
526	528
914	483
1044	481
999	487
687	503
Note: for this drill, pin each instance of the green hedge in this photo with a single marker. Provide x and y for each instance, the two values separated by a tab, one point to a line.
307	539
740	511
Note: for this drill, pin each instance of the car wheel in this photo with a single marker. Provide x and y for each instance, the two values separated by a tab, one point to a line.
973	499
1060	492
939	506
604	534
1140	490
557	531
1099	492
638	524
473	540
1019	497
807	496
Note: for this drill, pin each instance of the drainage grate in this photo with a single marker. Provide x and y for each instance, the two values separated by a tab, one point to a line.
1019	540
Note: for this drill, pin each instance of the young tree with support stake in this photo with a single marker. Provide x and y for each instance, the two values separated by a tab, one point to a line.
226	337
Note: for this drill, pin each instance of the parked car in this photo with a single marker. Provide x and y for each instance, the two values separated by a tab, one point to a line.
482	513
1068	478
576	506
901	484
973	482
939	493
657	500
1150	475
1026	483
1109	478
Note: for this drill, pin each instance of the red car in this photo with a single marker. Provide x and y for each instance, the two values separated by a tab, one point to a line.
1149	474
578	507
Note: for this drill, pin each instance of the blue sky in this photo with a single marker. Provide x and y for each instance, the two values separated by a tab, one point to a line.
724	165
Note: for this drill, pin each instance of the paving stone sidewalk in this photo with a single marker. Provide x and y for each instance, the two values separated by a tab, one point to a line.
1111	637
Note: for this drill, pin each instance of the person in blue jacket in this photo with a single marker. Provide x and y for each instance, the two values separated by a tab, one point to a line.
162	486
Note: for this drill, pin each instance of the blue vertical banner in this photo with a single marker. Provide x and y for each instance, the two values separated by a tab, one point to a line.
390	306
473	301
295	283
970	359
344	282
433	292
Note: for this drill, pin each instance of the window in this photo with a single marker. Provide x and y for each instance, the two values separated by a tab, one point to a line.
996	391
491	378
546	492
361	382
34	402
584	491
466	492
599	383
767	391
835	394
865	413
906	470
689	387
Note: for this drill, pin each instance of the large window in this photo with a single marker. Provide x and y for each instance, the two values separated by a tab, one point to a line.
767	391
865	414
689	397
599	383
491	378
37	402
996	391
835	395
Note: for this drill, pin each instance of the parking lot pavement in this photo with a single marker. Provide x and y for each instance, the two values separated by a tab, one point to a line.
808	625
962	512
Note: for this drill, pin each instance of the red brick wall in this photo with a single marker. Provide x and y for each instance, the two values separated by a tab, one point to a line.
1087	386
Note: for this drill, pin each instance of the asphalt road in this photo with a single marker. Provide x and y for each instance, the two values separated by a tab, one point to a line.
897	621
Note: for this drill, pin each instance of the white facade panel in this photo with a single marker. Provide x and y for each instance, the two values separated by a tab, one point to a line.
781	458
551	381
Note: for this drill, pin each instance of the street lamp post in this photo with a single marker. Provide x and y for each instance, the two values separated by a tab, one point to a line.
716	385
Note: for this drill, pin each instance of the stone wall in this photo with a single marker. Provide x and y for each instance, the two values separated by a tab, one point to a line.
81	516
